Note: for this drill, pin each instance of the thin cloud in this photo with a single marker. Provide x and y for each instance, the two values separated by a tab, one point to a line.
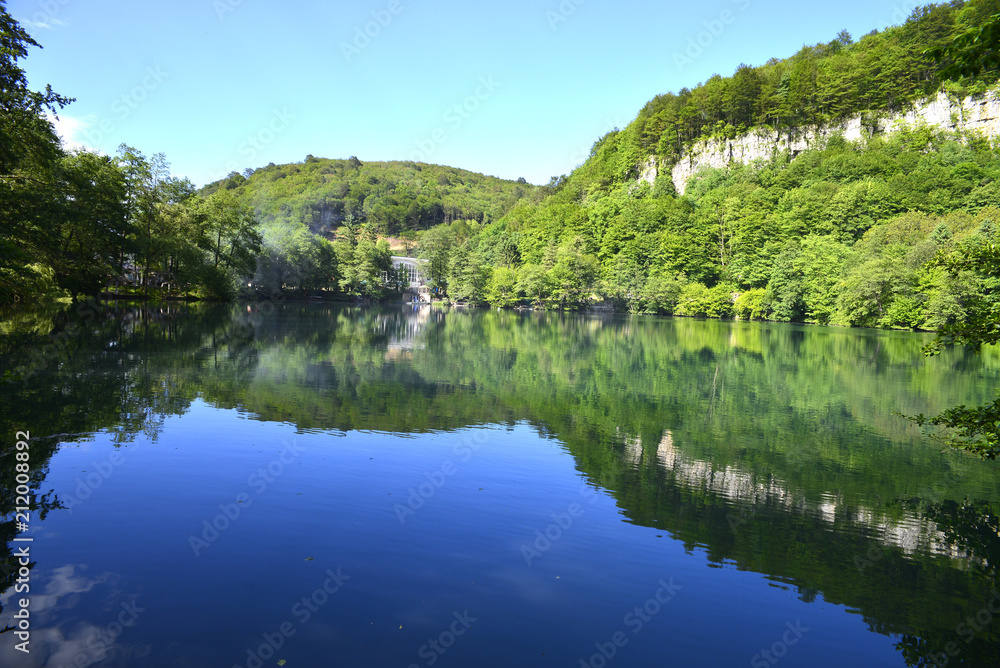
72	131
46	23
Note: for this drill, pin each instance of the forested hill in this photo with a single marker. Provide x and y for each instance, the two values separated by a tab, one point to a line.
847	232
828	82
874	233
392	197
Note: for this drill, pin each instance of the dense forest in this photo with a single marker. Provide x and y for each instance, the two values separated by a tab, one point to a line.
864	233
394	197
881	72
77	224
325	223
847	233
81	223
861	233
867	233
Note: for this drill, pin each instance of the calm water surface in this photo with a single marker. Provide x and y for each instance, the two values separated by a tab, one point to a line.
341	486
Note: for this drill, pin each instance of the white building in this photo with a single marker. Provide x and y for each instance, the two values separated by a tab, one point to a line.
417	280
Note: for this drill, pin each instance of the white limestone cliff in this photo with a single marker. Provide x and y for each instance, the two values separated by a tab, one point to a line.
980	115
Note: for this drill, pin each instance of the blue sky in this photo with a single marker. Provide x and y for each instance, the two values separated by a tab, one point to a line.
520	88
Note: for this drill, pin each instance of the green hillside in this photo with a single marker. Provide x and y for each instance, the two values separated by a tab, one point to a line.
898	230
870	233
393	197
880	72
302	207
865	233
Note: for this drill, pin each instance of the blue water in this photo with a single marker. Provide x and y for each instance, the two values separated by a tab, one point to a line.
224	539
322	502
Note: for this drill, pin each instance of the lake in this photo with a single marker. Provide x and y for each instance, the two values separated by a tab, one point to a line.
312	485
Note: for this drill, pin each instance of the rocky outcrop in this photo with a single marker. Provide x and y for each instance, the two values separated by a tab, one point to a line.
649	171
971	115
911	532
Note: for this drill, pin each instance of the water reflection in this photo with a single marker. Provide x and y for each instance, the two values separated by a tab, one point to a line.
770	448
65	603
911	532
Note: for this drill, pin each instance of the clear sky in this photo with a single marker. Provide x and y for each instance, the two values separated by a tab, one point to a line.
515	88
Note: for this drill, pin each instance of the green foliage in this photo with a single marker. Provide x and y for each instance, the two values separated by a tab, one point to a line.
29	164
467	276
573	276
392	197
869	293
976	429
534	283
660	294
750	305
501	289
970	52
232	235
841	234
697	300
364	264
177	241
